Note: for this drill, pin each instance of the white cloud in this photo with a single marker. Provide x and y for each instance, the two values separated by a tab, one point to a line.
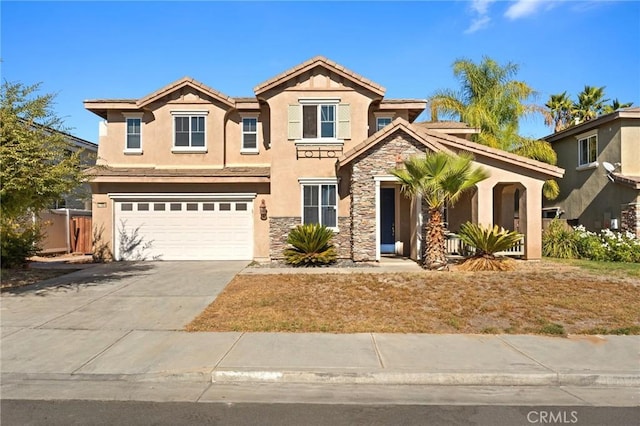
523	8
482	19
478	24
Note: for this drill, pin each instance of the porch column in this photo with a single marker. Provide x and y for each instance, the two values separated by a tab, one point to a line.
531	223
483	201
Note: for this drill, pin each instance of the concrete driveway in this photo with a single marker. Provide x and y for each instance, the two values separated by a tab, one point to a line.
119	296
62	324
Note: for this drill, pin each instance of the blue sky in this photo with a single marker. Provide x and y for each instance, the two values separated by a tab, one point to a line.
90	50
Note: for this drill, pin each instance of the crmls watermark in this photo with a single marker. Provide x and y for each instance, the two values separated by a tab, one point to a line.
557	417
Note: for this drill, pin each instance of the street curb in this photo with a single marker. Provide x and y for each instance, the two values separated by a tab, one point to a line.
412	378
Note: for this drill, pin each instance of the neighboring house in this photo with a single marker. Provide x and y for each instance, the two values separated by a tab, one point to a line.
66	229
197	174
591	195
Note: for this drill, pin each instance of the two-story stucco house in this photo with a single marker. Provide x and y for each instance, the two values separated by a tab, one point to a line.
202	175
591	195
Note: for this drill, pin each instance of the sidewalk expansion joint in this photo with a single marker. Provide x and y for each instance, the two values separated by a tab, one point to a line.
102	351
377	350
520	351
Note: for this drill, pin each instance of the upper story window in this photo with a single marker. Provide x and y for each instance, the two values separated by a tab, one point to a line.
189	131
133	133
587	150
319	120
320	202
249	134
382	122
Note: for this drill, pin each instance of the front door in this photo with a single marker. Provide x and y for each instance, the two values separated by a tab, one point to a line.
387	220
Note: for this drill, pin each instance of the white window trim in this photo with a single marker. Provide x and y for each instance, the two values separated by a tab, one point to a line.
592	164
383	117
244	150
318	102
188	149
127	116
317	182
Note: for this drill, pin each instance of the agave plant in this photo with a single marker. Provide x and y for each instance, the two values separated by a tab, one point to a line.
488	242
310	246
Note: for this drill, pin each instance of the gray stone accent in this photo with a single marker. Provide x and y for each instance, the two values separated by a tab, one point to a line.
279	228
630	220
378	160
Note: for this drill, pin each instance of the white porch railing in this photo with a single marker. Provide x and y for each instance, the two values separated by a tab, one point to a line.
455	246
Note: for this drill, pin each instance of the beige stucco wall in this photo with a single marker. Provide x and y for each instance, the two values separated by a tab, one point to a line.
223	136
286	169
630	151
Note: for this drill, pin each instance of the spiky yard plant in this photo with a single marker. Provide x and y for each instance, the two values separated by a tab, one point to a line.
310	246
560	241
488	242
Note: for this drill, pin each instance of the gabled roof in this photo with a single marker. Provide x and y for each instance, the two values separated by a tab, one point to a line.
632	112
186	82
373	140
319	61
438	141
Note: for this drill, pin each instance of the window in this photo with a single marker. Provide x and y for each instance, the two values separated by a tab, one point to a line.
587	150
133	133
175	207
189	131
319	121
323	120
159	207
208	207
143	207
225	207
382	122
319	204
249	134
192	207
126	207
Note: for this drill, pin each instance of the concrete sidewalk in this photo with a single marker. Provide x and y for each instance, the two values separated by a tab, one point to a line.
122	325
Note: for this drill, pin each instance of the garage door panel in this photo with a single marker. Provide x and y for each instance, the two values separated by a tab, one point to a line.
190	230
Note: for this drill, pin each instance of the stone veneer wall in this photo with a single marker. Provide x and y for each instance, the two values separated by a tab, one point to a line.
279	228
378	160
630	220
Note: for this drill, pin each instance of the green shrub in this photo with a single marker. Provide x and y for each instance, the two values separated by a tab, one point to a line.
19	240
311	246
487	242
559	241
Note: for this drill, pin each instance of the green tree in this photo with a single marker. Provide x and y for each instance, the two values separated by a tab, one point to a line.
39	166
560	111
590	104
439	179
493	101
615	105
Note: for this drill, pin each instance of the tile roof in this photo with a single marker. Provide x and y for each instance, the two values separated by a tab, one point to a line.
312	63
448	143
183	82
154	172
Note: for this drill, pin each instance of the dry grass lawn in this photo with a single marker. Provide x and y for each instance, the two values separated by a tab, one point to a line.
540	298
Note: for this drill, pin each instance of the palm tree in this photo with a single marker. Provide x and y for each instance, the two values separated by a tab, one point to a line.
440	179
614	106
491	100
560	111
590	103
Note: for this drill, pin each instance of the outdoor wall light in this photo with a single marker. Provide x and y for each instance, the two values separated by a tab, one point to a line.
263	210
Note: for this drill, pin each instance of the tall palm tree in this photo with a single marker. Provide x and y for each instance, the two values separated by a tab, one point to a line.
440	179
615	105
492	100
560	111
590	103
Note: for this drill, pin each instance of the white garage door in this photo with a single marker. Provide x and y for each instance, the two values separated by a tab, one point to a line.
182	229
